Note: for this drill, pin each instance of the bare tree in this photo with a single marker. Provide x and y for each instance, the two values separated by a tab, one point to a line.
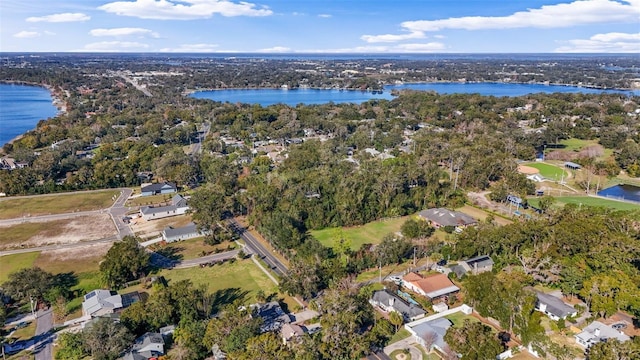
429	339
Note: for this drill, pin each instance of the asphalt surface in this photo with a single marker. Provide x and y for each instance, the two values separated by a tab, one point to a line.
254	246
44	324
118	212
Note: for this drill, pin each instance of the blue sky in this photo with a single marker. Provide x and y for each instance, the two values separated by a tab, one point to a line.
327	26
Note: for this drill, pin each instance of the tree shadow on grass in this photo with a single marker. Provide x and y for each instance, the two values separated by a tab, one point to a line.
227	296
65	280
171	252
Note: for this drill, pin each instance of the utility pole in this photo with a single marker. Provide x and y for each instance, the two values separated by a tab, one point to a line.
380	271
414	256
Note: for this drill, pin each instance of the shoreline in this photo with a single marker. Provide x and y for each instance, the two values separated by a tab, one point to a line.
56	100
627	91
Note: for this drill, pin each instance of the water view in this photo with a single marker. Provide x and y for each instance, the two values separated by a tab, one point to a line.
622	192
294	97
21	107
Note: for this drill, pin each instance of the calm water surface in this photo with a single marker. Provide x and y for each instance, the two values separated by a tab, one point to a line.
622	192
294	97
21	107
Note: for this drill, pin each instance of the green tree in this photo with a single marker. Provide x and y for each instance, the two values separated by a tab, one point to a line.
125	261
70	346
474	340
30	282
267	346
395	318
105	339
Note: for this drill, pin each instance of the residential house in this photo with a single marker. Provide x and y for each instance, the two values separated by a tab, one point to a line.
189	231
440	217
291	331
178	207
597	332
388	302
554	307
273	317
473	266
430	334
103	302
158	188
434	286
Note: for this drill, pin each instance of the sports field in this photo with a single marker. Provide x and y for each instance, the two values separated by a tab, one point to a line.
549	171
591	201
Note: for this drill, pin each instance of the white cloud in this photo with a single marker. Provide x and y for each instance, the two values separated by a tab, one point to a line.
191	48
400	48
604	43
123	32
183	10
392	37
58	18
326	16
276	49
26	34
579	12
114	46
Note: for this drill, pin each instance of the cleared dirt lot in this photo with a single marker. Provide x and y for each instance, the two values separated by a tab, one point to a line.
152	228
68	231
78	259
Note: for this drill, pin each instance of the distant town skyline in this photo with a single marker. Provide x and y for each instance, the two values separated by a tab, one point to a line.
321	26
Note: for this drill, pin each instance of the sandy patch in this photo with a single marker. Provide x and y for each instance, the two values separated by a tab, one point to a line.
152	228
527	170
78	253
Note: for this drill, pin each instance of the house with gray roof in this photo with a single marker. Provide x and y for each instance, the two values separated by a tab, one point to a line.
473	266
441	217
104	302
158	188
554	307
189	231
433	330
597	332
388	301
178	207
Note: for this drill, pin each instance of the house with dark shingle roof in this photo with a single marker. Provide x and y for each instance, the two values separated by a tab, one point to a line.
441	217
554	307
158	188
388	301
473	266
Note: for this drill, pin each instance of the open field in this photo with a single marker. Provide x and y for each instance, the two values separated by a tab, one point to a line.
590	201
15	262
32	234
371	233
11	208
77	260
150	200
549	171
243	275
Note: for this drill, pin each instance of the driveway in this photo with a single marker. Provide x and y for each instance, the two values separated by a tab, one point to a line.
118	211
44	324
408	343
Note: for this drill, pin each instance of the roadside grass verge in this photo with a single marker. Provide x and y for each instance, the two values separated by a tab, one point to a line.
370	233
549	171
11	208
190	249
14	262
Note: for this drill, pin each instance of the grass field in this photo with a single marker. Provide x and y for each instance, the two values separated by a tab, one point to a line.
190	249
14	236
242	275
482	215
589	201
11	208
150	200
15	262
549	171
458	318
371	233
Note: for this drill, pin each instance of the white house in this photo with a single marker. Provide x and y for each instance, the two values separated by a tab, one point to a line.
554	307
103	302
189	231
597	332
178	207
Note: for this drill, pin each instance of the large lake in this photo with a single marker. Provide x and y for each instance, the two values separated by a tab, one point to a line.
294	97
21	107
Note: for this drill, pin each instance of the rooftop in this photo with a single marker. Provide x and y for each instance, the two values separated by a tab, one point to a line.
446	217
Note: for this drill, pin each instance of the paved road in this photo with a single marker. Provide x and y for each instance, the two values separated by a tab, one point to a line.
254	246
44	324
118	211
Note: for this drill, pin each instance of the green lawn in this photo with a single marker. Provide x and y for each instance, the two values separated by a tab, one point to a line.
11	208
595	201
243	275
549	171
15	262
400	335
190	249
458	318
371	233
